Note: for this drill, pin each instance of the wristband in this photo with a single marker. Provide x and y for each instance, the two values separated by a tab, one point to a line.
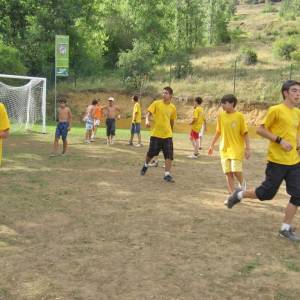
278	140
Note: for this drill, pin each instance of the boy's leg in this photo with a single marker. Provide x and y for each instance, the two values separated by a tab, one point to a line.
132	129
139	138
65	146
196	147
167	147
154	149
230	182
55	145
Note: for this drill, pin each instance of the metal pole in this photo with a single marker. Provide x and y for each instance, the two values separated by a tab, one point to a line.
234	78
291	71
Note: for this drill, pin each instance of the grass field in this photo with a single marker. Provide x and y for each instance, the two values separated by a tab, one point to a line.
88	226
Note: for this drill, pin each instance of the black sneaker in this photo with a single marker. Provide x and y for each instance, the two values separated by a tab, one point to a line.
233	198
289	235
144	170
168	178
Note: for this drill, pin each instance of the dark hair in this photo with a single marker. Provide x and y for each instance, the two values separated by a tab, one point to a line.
169	89
135	98
199	100
287	85
230	99
62	100
94	102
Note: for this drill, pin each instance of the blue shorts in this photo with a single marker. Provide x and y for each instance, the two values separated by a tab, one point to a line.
110	127
135	128
62	130
89	124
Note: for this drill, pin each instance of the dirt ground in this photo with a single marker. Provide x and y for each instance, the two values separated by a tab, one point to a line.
88	226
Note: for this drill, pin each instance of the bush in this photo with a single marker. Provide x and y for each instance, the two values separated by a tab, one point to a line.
284	48
296	56
248	56
270	8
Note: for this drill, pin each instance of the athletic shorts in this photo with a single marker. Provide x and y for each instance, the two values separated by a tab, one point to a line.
89	124
194	135
62	130
232	165
110	127
275	174
97	122
159	144
135	128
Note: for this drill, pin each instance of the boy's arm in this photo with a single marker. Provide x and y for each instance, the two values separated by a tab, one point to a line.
247	144
148	118
262	131
211	147
4	133
172	124
193	121
70	119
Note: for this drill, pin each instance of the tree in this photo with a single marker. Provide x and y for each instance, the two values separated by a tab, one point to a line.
136	64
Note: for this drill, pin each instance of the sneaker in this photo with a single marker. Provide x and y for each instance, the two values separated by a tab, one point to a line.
144	170
92	140
289	235
87	141
233	199
138	145
193	156
53	155
168	178
153	164
130	144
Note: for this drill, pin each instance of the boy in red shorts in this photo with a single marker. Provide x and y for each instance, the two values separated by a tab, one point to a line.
197	122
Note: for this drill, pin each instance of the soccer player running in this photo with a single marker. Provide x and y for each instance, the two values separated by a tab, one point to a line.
197	123
164	115
234	144
4	127
136	122
281	126
63	127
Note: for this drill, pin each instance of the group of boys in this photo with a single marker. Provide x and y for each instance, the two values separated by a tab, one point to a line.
281	126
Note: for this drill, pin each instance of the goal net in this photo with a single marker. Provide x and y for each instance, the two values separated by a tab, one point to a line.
25	101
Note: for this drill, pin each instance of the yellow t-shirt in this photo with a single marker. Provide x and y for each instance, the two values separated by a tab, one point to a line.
163	114
137	113
199	116
284	122
4	124
232	127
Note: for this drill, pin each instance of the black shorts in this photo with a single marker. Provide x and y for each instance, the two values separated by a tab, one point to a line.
110	127
159	144
275	174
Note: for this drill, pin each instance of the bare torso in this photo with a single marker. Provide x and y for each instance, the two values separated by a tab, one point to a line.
64	114
111	111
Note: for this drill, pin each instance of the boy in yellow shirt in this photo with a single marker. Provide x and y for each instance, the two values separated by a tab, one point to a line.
281	126
234	144
4	127
197	123
136	122
164	114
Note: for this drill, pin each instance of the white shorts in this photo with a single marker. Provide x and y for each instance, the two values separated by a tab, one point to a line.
97	123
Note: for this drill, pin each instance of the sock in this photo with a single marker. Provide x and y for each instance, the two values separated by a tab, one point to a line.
240	195
146	165
285	226
167	173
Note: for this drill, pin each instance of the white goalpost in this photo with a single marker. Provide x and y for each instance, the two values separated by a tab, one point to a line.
25	102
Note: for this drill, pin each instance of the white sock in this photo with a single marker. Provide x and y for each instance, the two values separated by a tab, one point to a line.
167	173
285	226
240	195
146	165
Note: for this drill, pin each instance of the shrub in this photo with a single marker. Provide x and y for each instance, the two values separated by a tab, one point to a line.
284	48
248	56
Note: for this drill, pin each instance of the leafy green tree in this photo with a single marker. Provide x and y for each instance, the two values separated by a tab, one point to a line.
136	64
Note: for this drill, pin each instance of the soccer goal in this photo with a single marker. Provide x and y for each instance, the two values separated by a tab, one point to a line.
25	100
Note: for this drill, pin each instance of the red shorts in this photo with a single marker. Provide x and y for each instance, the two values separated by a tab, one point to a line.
194	135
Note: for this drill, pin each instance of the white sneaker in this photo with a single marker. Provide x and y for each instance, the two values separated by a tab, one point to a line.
87	141
193	156
138	145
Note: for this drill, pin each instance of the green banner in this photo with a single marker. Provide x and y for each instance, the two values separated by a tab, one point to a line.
62	55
